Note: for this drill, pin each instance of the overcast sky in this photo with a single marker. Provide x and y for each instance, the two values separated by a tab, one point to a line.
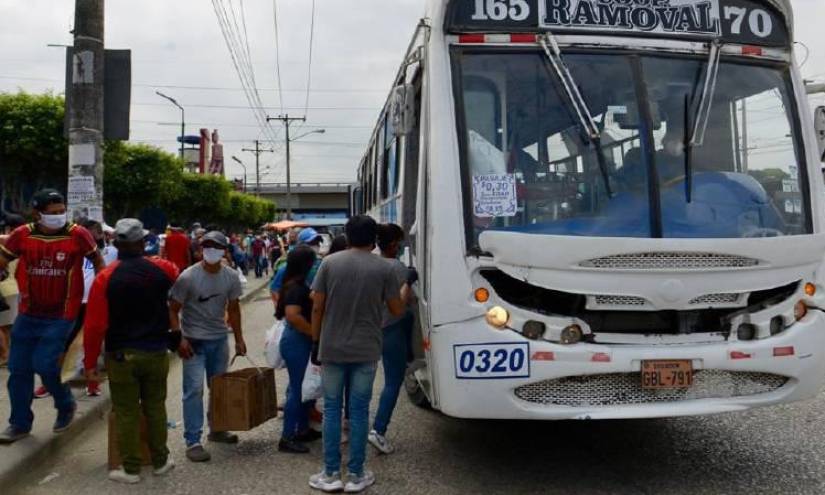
178	44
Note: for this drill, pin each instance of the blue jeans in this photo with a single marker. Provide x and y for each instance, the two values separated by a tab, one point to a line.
295	348
394	360
211	358
36	346
360	377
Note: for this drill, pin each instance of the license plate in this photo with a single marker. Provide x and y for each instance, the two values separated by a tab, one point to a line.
665	375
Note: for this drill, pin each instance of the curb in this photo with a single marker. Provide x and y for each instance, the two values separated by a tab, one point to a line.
38	449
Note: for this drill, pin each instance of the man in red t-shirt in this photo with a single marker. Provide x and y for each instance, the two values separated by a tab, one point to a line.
177	248
50	277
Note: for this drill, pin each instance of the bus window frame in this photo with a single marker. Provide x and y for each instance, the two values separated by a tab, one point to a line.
457	51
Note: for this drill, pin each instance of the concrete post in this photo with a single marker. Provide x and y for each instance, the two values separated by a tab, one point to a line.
85	188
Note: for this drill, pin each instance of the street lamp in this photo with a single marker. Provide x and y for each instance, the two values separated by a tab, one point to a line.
244	171
182	119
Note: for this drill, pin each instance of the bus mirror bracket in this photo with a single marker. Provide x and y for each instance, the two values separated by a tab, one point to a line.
402	109
819	127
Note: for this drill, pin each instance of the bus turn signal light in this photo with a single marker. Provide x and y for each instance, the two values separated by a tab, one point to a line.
498	317
810	289
482	295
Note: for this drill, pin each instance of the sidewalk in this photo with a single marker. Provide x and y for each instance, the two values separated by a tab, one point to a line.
22	455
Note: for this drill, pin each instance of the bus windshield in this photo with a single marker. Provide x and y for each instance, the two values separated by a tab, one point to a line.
529	166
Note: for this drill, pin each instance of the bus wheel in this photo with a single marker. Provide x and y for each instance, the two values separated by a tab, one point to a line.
415	391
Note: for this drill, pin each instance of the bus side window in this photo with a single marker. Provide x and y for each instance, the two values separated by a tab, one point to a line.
411	166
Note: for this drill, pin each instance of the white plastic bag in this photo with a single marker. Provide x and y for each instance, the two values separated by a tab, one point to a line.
273	346
241	276
311	388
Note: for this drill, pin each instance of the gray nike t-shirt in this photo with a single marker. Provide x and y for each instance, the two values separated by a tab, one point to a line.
357	285
204	297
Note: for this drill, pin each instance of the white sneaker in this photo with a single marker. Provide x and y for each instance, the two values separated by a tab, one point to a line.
380	442
326	482
121	476
164	470
357	484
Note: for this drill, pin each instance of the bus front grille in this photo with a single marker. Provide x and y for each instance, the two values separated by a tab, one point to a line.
619	389
670	261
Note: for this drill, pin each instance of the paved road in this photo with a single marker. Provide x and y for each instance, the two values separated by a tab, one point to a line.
770	451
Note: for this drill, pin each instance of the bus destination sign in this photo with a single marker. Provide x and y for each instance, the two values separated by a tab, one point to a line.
732	21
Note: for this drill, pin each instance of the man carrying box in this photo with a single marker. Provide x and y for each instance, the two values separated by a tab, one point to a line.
128	306
200	301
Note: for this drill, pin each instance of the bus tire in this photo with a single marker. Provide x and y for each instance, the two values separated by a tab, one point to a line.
415	391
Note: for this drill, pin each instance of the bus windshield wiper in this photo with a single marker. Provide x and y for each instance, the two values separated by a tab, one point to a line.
696	136
576	101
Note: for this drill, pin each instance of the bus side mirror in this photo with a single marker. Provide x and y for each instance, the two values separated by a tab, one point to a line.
819	126
402	109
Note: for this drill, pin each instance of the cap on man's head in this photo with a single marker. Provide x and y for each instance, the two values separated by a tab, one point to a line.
217	238
130	230
309	236
46	197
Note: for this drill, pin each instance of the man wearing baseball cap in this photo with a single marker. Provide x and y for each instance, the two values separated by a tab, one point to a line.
200	300
50	280
128	307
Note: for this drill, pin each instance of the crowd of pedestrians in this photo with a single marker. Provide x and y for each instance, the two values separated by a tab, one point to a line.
136	295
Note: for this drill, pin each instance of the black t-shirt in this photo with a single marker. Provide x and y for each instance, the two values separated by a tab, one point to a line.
298	295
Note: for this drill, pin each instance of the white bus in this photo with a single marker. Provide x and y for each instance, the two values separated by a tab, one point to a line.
615	207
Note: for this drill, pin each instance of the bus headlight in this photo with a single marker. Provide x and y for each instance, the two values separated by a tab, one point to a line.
533	330
571	335
498	317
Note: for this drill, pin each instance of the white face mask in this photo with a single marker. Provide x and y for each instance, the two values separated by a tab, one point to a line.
53	221
213	256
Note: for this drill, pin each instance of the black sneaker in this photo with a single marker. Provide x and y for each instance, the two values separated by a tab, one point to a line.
292	447
12	434
223	437
64	420
309	436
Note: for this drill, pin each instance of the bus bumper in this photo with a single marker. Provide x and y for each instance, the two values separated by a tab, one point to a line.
592	381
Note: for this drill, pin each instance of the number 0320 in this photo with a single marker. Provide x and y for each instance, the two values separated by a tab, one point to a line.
490	361
499	10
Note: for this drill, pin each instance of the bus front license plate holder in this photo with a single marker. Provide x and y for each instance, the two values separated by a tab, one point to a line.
667	374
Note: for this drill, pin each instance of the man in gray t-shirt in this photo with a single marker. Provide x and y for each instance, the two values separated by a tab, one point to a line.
205	296
349	294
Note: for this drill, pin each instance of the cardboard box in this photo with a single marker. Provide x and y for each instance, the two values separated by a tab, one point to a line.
114	453
242	400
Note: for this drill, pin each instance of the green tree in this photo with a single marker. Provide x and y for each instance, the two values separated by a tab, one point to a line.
137	177
33	149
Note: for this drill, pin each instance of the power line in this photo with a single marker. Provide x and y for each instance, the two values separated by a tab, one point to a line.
243	68
278	54
223	23
309	65
230	125
212	88
195	105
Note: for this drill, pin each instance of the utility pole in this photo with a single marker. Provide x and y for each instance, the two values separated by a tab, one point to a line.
287	120
258	152
85	189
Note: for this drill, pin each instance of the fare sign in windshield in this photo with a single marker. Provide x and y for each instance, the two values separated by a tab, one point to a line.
732	21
